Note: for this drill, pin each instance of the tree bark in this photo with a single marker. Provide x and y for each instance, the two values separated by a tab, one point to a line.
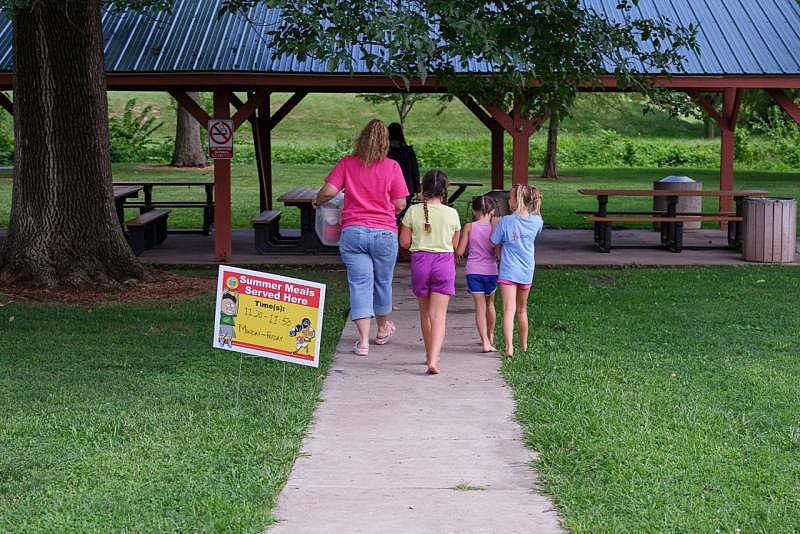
188	145
708	127
64	229
550	158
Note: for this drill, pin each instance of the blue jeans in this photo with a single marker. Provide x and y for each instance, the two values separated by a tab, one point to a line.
369	255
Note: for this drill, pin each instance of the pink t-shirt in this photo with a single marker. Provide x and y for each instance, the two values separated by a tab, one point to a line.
369	191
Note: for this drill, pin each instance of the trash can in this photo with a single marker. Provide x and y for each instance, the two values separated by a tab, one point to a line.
770	230
500	197
685	204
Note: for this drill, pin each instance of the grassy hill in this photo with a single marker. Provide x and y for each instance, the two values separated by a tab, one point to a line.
325	118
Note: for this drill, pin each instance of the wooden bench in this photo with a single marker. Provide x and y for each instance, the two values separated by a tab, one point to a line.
267	232
147	230
671	232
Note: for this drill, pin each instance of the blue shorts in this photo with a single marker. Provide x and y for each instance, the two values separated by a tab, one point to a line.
482	283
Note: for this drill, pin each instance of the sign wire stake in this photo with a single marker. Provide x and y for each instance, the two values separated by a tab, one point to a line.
238	382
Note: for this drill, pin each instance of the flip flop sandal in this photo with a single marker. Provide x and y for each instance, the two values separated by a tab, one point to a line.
358	350
390	330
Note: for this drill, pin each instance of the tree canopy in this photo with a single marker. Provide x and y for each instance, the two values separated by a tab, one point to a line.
540	52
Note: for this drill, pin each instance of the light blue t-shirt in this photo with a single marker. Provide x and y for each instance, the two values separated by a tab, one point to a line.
517	234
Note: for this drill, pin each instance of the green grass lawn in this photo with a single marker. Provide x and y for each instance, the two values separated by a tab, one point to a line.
121	417
665	400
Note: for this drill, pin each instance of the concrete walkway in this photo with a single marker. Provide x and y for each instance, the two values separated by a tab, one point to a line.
395	450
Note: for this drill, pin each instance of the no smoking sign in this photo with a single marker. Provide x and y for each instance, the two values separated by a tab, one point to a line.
220	138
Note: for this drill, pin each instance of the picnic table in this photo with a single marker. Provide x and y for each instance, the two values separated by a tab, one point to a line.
149	204
461	187
671	219
302	198
121	194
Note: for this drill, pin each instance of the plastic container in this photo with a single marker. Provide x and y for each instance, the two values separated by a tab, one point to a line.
329	221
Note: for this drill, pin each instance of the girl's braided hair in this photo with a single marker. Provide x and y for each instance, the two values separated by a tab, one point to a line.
434	184
483	205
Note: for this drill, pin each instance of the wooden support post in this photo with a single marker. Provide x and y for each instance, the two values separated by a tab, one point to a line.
498	155
497	140
264	134
731	100
520	128
222	185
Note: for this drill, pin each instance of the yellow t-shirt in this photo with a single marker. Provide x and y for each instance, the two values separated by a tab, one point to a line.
444	223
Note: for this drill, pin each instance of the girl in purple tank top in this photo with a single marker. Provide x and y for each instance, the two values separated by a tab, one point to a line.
481	267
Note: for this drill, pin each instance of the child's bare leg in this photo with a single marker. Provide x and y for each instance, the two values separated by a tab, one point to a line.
438	322
509	294
522	316
425	321
491	318
480	321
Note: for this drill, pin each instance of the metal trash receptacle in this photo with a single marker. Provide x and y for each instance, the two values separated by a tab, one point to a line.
500	197
770	230
685	204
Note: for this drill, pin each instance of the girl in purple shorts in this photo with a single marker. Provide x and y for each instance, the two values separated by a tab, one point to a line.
430	231
481	267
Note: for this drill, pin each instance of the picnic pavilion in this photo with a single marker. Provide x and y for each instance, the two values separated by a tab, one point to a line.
743	45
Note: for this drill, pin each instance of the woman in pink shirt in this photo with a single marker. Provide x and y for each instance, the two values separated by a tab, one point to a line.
374	191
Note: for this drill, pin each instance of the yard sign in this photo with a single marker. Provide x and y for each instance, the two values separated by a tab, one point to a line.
220	138
267	315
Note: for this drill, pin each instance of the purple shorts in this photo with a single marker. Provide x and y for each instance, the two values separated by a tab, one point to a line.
433	271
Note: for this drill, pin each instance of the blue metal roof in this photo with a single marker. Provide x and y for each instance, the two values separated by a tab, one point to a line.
736	37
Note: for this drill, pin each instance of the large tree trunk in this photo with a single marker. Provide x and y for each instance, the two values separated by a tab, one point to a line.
188	146
708	127
550	159
64	229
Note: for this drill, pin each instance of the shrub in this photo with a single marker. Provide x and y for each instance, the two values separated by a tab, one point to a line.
130	133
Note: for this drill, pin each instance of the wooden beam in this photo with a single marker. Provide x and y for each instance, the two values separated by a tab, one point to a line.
478	111
708	108
191	107
7	104
788	105
497	132
501	117
236	101
190	81
248	108
244	81
287	106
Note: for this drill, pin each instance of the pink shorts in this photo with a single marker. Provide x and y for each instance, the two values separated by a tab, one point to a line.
510	283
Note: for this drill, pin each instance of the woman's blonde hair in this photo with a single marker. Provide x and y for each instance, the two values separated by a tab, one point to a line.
373	142
528	198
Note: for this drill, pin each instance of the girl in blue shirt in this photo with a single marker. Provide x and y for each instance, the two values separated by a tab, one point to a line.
515	234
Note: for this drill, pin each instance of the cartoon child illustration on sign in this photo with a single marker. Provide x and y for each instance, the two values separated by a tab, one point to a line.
229	307
304	333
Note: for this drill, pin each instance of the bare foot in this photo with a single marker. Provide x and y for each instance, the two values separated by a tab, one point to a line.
488	348
432	370
509	352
